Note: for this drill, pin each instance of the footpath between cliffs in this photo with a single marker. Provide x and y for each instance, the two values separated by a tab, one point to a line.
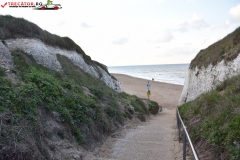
152	140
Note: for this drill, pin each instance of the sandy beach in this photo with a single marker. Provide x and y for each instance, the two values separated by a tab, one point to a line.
167	95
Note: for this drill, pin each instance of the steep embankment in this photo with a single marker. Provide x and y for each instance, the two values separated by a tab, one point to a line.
211	66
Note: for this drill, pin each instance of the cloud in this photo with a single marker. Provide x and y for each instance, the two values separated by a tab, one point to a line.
163	37
196	22
227	23
183	26
120	41
61	23
85	25
160	1
181	51
235	13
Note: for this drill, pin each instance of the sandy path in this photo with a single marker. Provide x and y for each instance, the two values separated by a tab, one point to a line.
153	140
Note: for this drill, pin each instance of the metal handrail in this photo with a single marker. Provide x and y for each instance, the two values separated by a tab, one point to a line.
185	135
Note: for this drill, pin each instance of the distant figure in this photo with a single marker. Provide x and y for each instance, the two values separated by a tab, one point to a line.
152	79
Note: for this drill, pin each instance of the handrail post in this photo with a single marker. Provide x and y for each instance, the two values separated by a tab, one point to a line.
178	125
184	145
179	129
177	120
185	137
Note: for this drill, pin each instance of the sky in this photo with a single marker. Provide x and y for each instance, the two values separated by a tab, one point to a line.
137	32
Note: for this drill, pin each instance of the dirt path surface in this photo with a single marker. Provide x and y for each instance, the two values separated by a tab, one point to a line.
155	139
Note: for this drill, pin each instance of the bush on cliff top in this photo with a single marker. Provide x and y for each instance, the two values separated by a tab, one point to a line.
213	119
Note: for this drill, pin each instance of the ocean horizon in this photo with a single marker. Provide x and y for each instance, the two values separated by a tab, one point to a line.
168	73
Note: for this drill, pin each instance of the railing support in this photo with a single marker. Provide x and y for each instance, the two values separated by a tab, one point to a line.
179	127
185	137
184	145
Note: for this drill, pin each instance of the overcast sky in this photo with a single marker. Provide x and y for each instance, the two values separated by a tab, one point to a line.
138	32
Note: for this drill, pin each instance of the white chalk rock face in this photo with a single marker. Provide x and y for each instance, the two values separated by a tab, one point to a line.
202	80
47	56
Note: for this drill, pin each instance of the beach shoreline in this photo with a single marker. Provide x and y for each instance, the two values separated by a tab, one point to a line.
146	79
168	73
167	95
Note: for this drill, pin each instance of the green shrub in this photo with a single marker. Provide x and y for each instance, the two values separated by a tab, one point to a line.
67	85
234	151
98	93
139	105
2	71
153	107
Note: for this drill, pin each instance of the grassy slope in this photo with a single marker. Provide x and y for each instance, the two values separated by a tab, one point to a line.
226	49
213	120
87	117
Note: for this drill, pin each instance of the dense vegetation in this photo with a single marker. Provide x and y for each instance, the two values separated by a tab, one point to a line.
213	120
86	107
226	49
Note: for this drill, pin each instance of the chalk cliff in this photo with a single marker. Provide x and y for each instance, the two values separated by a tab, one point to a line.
46	55
211	66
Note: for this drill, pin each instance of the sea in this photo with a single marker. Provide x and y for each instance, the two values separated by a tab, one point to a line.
168	73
